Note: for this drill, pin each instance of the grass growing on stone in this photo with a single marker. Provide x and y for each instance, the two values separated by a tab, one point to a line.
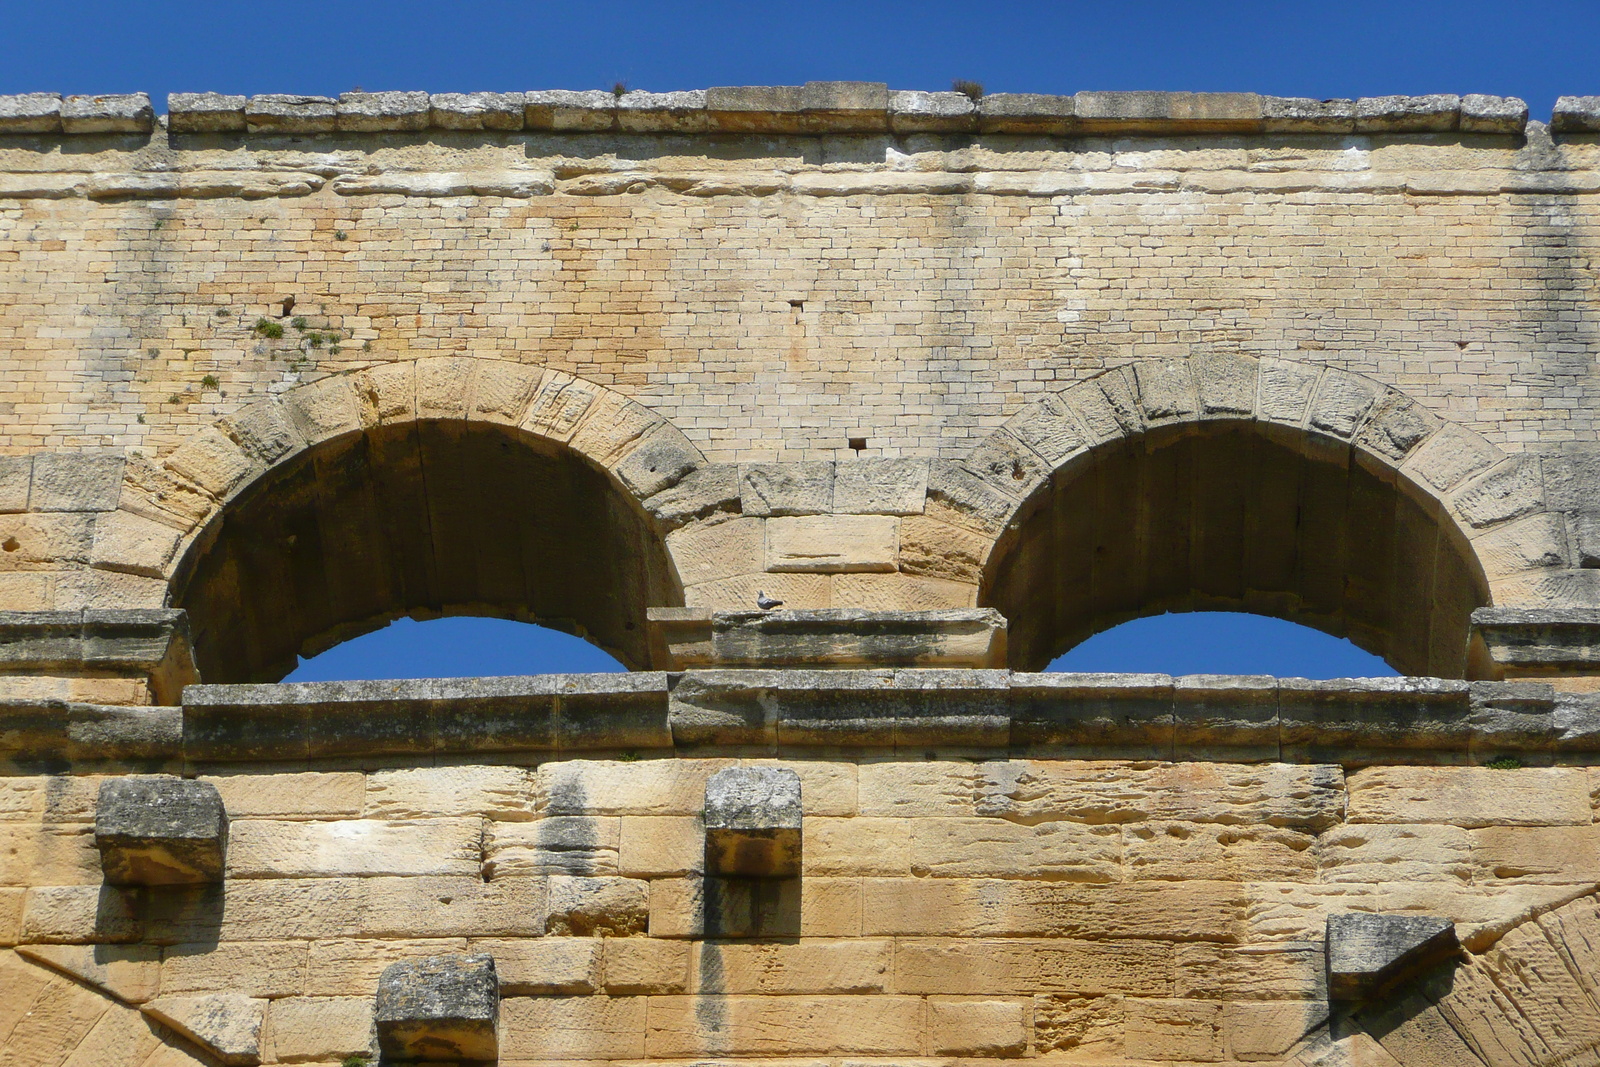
265	327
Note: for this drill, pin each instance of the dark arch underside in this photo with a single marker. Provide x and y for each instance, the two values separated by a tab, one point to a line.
1236	516
422	518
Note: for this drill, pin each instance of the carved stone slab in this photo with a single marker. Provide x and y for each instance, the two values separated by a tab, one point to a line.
160	831
439	1008
752	820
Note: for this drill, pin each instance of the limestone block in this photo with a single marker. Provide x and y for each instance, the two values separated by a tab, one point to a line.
130	973
348	965
604	787
1165	390
1007	465
558	844
263	432
1493	114
225	1024
1576	114
1539	540
546	965
1106	406
1367	952
679	112
752	819
654	845
254	968
1408	114
939	550
903	592
832	544
12	900
920	112
1451	456
321	1028
1226	383
961	498
212	461
15	474
899	789
1026	113
160	494
644	965
262	848
1177	851
48	854
1395	853
205	113
451	907
786	488
555	1029
1470	796
476	111
131	543
1280	114
306	794
663	457
710	491
994	848
561	109
30	113
858	846
1175	112
720	550
1513	488
373	112
754	108
1547	854
443	1007
880	487
1342	401
504	794
782	1026
442	386
68	481
1225	715
975	1027
1167	1030
117	113
1260	1029
324	410
849	966
1049	430
1284	391
1395	426
160	831
80	914
286	113
1006	966
597	907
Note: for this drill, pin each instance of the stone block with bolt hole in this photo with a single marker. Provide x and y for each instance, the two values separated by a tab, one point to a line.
1368	954
439	1008
160	831
753	822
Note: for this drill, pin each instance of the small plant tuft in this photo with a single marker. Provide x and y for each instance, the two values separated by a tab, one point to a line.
209	381
366	346
340	235
971	90
299	323
314	339
619	89
334	350
629	756
267	328
359	1059
222	313
152	352
1504	763
140	419
174	399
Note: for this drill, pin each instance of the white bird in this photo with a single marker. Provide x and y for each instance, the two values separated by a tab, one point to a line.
765	602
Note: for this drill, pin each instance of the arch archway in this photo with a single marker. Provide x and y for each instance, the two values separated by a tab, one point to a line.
1221	483
444	486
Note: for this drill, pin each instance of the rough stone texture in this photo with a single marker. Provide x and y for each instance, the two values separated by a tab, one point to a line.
205	113
442	1007
160	831
753	823
1366	952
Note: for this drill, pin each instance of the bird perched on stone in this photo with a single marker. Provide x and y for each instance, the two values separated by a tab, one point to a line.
765	602
288	306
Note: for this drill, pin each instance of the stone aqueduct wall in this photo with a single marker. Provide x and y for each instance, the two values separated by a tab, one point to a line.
618	363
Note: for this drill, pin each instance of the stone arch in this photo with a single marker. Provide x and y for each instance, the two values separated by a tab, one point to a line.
434	486
1229	483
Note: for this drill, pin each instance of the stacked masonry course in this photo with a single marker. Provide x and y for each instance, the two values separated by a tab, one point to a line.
962	381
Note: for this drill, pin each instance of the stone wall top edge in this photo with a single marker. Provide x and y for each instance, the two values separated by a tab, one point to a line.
816	107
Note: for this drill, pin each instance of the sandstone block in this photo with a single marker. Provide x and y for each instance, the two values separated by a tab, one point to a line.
296	794
1451	456
709	491
1493	114
347	966
635	965
786	488
977	1027
66	481
354	847
116	113
598	907
373	112
558	844
781	1026
859	846
1284	391
832	544
853	965
450	907
1395	853
1188	1030
1341	402
898	789
321	1028
720	550
645	787
1260	1029
1166	391
48	854
1178	851
562	109
547	965
85	914
994	848
131	543
1395	426
660	459
1576	114
130	973
1408	114
880	487
225	1024
30	113
504	794
752	819
653	845
15	474
440	1007
920	112
1367	953
205	113
1554	854
1012	966
1049	429
679	112
961	498
1470	796
254	968
1513	488
286	113
554	1029
211	461
160	831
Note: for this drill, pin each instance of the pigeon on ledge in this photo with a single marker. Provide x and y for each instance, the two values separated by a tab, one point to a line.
765	602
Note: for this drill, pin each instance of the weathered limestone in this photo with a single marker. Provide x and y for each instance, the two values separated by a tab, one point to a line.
753	823
1370	953
160	831
439	1007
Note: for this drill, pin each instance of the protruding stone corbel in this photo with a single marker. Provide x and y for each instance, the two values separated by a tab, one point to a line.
752	818
160	831
1371	953
440	1008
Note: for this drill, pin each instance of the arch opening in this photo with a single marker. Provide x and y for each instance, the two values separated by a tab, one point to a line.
1238	515
425	519
455	647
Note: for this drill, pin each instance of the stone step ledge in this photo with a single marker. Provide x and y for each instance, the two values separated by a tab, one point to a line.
988	713
812	108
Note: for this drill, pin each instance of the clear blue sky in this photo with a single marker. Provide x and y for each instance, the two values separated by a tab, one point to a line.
1535	50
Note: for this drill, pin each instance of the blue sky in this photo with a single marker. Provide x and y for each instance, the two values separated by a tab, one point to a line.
1535	50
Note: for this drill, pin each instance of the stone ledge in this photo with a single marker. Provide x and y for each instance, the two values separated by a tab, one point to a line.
1534	641
153	642
812	108
824	638
1354	721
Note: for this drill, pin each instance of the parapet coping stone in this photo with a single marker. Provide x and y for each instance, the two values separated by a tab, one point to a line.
995	713
818	107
